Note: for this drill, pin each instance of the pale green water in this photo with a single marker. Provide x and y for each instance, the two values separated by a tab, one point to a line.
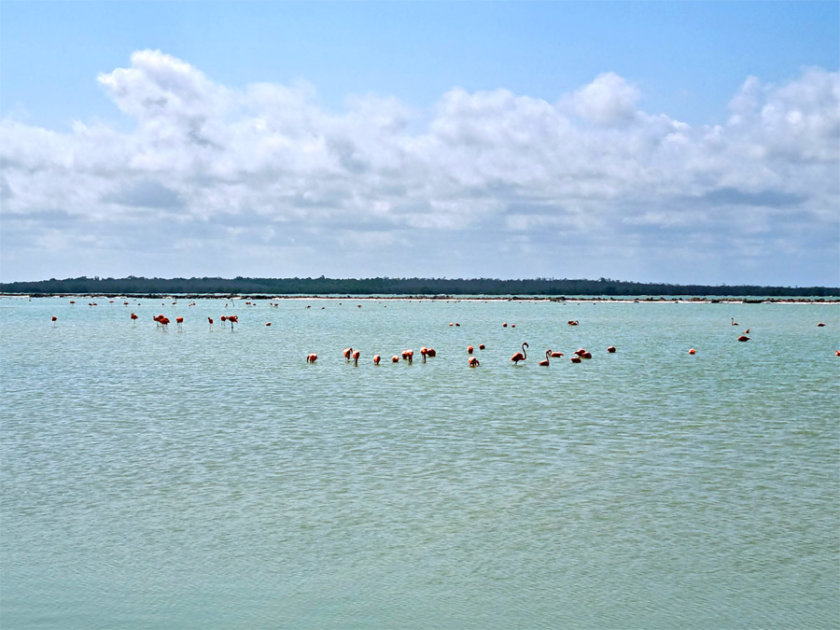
202	479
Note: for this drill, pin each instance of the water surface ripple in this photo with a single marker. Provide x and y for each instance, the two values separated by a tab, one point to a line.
209	478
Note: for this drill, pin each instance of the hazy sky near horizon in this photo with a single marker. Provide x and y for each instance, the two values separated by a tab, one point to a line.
686	142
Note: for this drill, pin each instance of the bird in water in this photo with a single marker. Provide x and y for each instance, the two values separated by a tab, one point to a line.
520	356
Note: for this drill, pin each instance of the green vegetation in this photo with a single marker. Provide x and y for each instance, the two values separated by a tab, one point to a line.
394	286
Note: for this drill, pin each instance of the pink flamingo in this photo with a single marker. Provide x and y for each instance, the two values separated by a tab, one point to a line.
520	356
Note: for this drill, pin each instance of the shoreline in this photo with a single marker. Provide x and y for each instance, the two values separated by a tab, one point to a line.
710	299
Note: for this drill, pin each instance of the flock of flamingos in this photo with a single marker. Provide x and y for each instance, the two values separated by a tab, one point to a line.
351	354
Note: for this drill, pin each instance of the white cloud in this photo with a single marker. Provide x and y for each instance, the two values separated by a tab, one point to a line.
585	172
608	100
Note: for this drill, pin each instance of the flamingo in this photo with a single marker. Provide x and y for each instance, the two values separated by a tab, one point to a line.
481	346
408	355
732	319
395	359
431	352
520	356
692	351
820	325
555	354
575	358
356	355
473	362
311	358
210	321
376	359
743	338
470	349
180	322
610	349
423	352
347	353
544	362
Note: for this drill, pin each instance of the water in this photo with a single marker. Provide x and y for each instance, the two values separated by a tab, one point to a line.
212	479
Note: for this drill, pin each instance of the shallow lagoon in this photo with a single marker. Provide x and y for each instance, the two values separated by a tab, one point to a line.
202	478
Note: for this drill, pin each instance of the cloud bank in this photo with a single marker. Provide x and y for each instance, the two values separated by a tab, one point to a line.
209	179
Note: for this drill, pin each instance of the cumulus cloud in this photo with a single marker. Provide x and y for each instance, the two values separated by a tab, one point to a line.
588	185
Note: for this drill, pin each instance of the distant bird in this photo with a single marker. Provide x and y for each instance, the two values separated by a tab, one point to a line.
348	353
520	356
610	349
376	359
470	349
311	358
555	355
734	323
481	346
743	338
692	351
356	355
820	325
473	362
544	362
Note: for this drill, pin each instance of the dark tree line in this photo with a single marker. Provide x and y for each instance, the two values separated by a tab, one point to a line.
396	286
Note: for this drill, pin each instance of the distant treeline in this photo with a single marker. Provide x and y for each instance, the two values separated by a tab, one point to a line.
394	286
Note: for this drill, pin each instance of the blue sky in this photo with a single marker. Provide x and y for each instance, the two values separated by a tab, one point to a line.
651	141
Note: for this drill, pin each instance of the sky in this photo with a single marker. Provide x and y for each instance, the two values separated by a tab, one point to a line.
681	142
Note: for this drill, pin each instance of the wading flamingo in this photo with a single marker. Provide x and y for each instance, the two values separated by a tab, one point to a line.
556	355
610	349
544	362
520	356
311	358
348	353
473	362
376	359
356	355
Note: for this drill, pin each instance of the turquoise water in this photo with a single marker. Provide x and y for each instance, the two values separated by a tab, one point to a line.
202	478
